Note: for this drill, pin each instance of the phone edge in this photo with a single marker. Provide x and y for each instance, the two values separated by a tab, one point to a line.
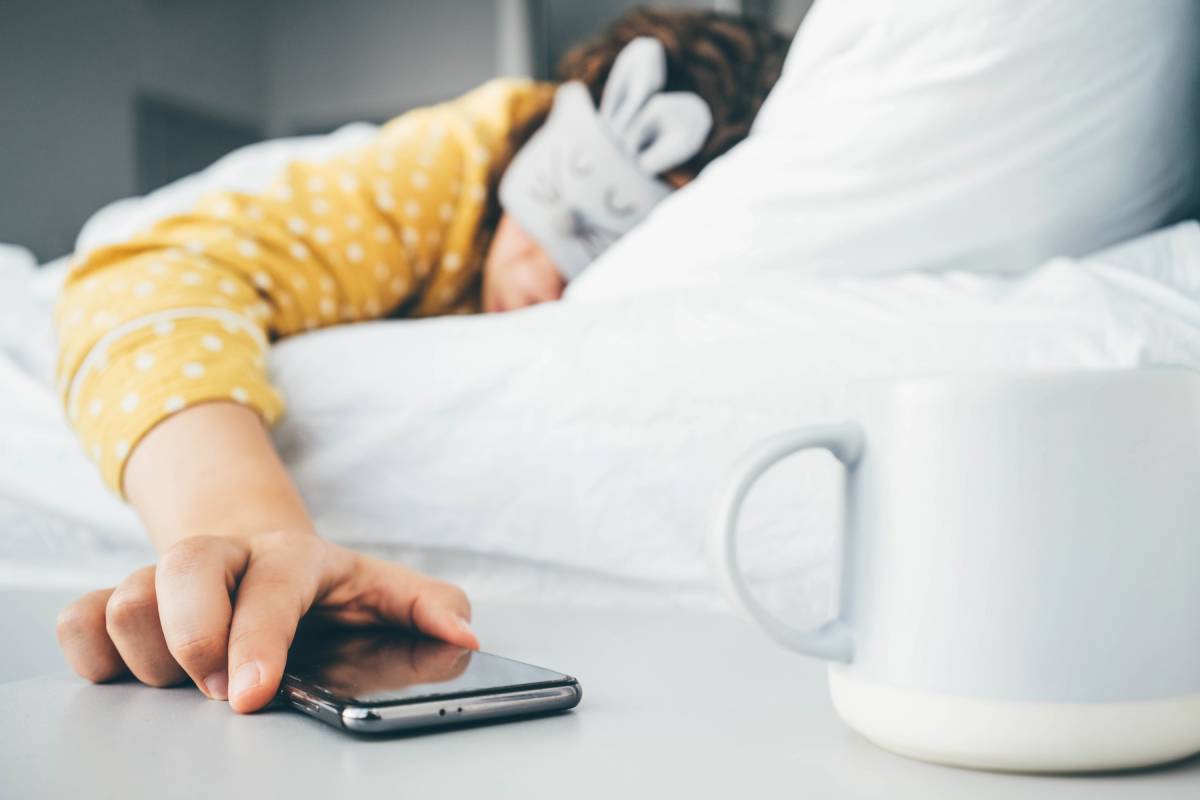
435	712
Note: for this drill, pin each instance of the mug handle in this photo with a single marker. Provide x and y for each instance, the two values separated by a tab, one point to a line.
845	441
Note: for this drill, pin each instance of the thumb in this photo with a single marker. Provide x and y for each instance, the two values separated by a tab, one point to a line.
408	598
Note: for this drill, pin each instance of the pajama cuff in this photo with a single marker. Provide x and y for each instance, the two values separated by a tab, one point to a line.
149	377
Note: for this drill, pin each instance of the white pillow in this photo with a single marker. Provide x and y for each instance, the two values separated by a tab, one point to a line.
595	436
904	134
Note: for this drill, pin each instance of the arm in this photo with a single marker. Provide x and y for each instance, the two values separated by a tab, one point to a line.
231	480
163	375
241	564
182	314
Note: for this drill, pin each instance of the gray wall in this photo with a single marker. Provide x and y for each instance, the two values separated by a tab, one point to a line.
69	71
564	22
372	59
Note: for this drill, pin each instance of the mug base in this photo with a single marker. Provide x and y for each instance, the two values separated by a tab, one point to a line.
1017	736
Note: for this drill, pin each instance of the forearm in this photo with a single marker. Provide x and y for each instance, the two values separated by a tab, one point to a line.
212	470
240	567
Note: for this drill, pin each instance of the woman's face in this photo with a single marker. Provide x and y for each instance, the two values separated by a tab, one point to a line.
517	272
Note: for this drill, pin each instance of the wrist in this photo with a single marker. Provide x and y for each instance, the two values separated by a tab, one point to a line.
211	470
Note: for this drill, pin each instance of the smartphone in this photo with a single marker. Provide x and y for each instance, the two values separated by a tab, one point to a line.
375	680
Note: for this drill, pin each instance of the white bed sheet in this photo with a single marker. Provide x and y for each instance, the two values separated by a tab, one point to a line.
574	450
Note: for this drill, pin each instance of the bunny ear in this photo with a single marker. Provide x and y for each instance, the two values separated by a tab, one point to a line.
639	71
668	131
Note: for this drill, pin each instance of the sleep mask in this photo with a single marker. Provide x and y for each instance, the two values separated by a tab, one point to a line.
589	175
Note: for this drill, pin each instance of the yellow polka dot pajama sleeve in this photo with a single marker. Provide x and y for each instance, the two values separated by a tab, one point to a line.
144	338
184	313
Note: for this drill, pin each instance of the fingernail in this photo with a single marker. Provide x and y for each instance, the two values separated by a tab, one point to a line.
463	625
217	685
248	676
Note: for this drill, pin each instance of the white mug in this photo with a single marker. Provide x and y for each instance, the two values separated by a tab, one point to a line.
1020	583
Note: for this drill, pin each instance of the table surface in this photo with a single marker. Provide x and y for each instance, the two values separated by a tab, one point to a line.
676	704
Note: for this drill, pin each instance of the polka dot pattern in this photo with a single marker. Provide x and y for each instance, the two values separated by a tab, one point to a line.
180	314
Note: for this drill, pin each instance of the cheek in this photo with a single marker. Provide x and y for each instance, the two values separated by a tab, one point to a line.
547	281
509	241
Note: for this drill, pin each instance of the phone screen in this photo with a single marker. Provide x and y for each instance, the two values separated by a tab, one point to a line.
376	665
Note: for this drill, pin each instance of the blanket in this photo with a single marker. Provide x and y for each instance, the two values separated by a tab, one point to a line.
575	449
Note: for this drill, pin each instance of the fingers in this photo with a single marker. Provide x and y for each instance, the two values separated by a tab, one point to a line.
84	640
132	622
193	584
274	594
177	620
434	607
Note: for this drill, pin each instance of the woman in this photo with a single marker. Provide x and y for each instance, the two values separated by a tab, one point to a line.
163	336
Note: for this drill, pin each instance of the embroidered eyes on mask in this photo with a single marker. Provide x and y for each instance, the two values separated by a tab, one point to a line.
589	175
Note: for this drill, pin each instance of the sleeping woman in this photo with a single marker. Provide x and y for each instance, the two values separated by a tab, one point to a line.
491	202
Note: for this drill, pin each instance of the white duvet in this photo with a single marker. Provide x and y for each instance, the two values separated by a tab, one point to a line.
574	449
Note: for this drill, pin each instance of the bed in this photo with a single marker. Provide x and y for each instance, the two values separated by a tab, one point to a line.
929	188
549	454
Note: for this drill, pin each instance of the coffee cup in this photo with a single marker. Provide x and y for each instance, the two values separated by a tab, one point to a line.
1020	576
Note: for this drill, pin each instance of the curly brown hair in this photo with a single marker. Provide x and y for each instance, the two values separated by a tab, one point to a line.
731	61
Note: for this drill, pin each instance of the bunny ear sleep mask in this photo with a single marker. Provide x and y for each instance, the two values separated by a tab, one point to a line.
588	176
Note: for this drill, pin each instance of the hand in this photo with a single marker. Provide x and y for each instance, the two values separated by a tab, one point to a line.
223	611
